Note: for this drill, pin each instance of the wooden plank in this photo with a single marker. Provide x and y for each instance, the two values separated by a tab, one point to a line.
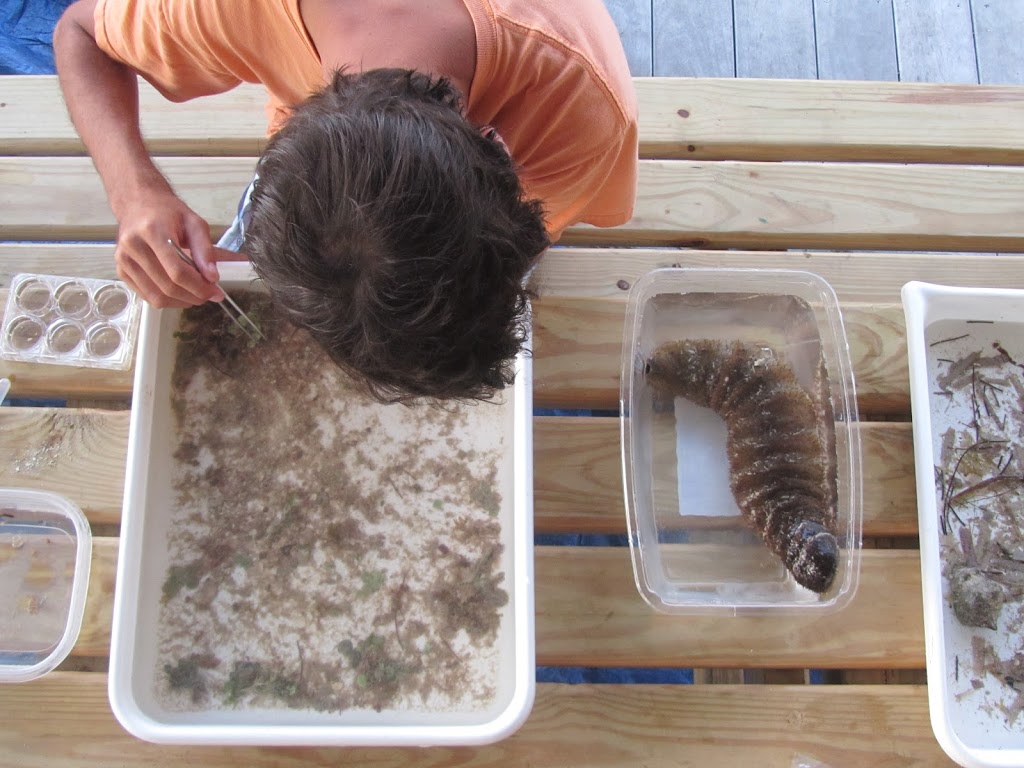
78	453
30	187
67	259
633	20
35	120
748	119
693	39
577	468
934	41
61	381
680	203
813	205
94	635
603	726
997	33
775	38
855	41
733	119
577	346
578	477
579	315
589	613
857	278
608	273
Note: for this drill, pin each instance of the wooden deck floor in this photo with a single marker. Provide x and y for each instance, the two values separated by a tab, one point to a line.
939	41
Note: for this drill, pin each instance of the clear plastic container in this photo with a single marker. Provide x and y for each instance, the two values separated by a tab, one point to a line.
70	321
45	552
693	550
965	347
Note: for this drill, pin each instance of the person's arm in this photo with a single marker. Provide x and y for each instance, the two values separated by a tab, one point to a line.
103	100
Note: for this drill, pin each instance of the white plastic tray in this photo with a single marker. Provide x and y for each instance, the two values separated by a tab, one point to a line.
142	566
967	726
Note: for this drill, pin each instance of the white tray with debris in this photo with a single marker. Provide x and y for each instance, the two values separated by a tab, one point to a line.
301	565
966	352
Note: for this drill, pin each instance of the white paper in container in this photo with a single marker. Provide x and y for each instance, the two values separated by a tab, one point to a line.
139	579
703	463
970	735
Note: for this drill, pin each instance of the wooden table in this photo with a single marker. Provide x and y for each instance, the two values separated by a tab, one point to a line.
867	184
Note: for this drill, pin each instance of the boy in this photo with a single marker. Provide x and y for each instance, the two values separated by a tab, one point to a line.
423	155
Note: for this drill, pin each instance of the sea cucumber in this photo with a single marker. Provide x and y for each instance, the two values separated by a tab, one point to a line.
781	472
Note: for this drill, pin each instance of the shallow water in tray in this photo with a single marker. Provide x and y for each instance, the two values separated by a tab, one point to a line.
327	552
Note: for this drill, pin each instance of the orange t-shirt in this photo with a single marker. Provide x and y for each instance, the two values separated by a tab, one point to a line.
551	77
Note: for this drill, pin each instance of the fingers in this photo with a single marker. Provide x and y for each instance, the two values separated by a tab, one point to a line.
167	277
179	279
152	229
197	239
137	279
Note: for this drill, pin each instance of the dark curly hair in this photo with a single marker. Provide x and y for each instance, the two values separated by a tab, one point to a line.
398	234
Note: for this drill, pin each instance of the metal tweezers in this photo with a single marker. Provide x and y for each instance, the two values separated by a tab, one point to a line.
242	320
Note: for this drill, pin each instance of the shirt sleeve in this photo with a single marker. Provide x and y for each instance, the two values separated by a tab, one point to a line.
599	189
182	47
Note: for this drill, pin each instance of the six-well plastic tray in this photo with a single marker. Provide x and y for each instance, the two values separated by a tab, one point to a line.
70	321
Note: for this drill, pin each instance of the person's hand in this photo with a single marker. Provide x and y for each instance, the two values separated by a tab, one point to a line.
148	263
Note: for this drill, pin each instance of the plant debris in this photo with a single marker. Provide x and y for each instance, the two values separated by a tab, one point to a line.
978	418
327	552
189	674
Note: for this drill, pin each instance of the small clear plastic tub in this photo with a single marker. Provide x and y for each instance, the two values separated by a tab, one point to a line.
694	548
45	553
